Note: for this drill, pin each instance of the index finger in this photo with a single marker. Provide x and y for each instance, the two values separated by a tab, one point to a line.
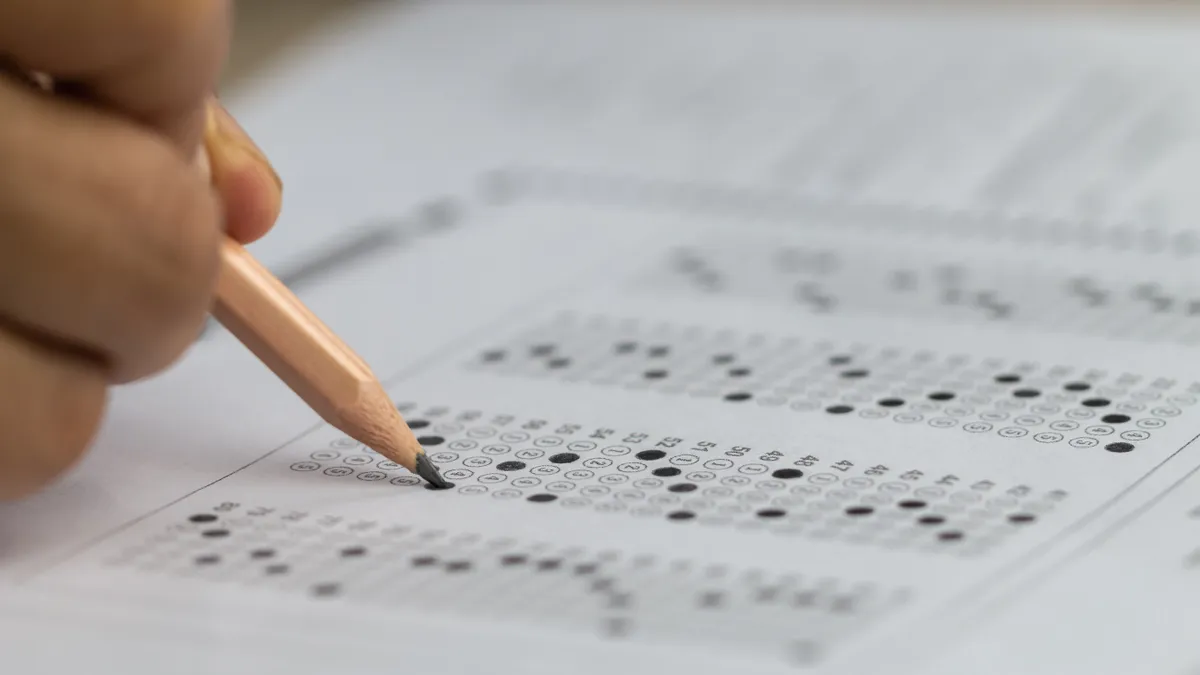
154	60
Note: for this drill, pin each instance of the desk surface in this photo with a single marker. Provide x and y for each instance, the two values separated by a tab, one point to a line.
267	29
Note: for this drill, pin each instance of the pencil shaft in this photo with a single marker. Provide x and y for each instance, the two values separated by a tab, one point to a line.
264	315
270	321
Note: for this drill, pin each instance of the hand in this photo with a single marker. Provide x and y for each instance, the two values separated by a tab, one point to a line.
109	228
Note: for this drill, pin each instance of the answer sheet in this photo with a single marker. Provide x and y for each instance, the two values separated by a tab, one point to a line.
753	339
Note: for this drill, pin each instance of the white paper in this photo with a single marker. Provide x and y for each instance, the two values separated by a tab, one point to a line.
752	340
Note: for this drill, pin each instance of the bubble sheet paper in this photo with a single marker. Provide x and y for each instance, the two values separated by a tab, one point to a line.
695	420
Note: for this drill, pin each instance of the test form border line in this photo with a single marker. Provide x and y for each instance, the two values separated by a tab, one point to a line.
94	541
976	613
1112	530
987	610
587	276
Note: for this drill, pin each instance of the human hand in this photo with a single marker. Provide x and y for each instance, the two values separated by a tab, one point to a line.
109	229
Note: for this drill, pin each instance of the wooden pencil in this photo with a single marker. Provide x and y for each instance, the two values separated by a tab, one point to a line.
273	324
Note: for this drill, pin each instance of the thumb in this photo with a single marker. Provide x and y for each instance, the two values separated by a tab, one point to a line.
249	187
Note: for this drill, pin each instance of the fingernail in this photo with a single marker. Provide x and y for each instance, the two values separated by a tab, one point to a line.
230	146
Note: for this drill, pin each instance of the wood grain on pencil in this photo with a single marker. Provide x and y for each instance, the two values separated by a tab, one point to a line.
266	317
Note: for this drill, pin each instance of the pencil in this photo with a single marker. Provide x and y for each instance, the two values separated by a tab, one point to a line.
330	378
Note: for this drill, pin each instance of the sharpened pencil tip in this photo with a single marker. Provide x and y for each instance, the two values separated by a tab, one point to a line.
428	470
